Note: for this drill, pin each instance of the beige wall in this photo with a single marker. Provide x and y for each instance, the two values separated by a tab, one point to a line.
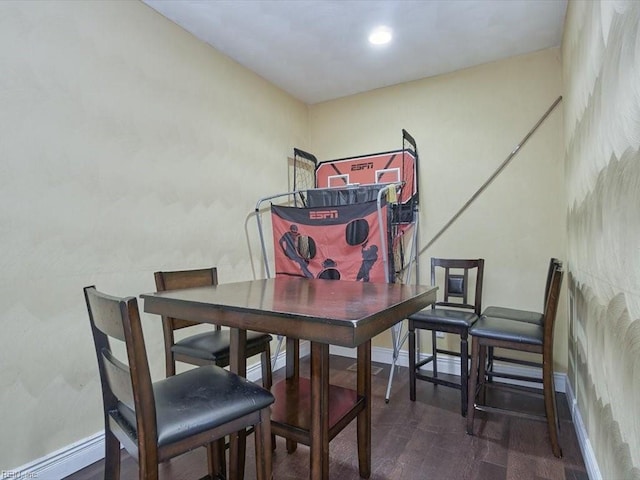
465	125
601	52
127	146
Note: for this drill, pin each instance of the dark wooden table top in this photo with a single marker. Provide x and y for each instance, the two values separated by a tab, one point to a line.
326	311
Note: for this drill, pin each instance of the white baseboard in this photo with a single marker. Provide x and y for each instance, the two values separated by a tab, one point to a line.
83	453
450	365
588	454
63	462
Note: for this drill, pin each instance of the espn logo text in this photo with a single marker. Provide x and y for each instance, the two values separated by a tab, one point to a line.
361	166
323	214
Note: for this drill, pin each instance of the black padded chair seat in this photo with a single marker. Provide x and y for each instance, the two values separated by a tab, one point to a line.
214	346
508	330
445	316
514	314
198	400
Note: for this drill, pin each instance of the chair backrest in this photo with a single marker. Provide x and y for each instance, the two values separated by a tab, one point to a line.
551	309
177	279
457	279
113	318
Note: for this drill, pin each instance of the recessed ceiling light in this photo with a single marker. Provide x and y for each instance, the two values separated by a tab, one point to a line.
380	36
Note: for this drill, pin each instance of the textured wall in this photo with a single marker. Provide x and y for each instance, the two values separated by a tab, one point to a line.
601	63
466	124
127	146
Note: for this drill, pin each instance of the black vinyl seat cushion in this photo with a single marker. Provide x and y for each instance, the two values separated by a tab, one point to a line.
214	346
445	316
514	314
508	330
198	400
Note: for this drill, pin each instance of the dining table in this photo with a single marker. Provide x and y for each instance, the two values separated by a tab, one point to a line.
309	411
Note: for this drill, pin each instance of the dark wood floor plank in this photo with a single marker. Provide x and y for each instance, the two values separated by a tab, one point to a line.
418	440
488	471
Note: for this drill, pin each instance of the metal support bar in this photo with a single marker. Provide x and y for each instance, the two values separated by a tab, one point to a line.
398	338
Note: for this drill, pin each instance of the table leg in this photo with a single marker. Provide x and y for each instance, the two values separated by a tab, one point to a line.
292	371
319	411
238	365
364	417
293	358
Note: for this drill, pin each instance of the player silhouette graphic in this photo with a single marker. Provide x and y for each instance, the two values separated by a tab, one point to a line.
369	257
289	242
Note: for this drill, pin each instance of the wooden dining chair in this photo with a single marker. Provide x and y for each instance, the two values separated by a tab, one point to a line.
458	309
518	315
493	332
213	346
160	420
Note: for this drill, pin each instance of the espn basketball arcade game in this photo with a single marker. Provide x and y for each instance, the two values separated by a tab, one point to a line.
351	219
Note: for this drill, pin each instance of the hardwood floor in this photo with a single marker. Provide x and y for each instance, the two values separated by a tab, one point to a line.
418	440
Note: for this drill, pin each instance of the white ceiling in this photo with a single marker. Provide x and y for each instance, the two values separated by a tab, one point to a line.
317	50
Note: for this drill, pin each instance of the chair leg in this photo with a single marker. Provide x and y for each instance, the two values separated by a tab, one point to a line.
237	455
550	407
216	459
267	373
260	452
148	468
262	434
475	357
111	457
412	363
464	373
434	352
489	364
291	445
482	374
170	364
267	379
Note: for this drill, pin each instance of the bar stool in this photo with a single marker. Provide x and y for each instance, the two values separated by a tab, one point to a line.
492	332
454	314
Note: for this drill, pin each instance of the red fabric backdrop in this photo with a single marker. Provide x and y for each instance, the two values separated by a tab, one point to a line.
341	242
